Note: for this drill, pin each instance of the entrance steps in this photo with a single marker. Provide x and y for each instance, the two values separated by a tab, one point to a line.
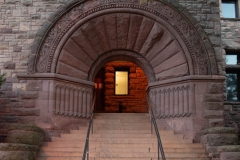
120	136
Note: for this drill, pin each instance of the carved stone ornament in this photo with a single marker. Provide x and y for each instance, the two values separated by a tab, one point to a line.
79	10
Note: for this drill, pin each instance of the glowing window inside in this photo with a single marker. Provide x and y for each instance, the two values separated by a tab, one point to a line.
121	82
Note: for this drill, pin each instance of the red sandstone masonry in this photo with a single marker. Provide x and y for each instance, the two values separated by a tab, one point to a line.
135	100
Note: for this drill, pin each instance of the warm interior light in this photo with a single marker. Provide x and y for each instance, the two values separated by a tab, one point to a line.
121	82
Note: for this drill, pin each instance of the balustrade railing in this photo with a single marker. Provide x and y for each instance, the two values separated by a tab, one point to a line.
90	126
153	123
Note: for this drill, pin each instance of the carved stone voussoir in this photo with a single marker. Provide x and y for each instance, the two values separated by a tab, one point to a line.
164	11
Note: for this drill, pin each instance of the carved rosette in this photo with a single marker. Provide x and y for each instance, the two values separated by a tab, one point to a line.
165	12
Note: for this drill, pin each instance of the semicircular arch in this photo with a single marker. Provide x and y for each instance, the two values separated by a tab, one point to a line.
183	42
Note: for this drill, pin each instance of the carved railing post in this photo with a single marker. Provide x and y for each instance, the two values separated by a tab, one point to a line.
84	111
75	102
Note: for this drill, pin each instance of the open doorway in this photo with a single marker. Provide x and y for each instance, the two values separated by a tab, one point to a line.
121	82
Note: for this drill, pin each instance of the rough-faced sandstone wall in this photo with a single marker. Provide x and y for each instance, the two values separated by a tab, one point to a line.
230	36
20	22
135	101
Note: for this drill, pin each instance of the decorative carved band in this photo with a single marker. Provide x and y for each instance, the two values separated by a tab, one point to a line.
173	101
72	100
149	70
186	30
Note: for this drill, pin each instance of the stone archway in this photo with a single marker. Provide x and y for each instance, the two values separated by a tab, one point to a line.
165	40
85	23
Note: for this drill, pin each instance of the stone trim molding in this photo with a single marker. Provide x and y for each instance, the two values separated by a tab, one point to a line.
191	33
197	78
122	55
53	76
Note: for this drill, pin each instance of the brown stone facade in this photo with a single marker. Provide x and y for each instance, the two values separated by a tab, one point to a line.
135	101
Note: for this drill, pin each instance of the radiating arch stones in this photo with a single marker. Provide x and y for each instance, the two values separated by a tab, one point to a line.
157	32
123	31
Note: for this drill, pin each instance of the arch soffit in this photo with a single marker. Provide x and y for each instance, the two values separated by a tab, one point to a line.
41	58
122	55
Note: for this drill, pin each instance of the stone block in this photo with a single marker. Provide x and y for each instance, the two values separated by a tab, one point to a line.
28	95
219	130
28	104
24	137
17	147
230	156
25	26
19	86
213	97
212	114
12	80
24	127
227	107
11	94
216	122
213	17
3	45
34	85
230	148
213	106
17	49
9	65
109	80
25	112
11	1
17	155
26	2
11	119
4	101
133	75
215	41
109	69
220	139
35	16
109	75
109	86
6	30
6	87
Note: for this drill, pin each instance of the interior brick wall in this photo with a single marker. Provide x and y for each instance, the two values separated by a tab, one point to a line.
135	101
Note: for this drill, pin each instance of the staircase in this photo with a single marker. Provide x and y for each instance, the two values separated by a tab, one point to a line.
121	136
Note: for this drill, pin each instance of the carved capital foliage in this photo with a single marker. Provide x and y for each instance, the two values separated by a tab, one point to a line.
82	9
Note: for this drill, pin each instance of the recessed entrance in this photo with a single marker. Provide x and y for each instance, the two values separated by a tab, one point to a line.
106	84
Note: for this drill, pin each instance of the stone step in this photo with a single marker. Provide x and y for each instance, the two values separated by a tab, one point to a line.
132	158
126	145
101	131
145	149
121	121
142	154
163	136
120	154
65	154
123	149
121	140
121	137
123	128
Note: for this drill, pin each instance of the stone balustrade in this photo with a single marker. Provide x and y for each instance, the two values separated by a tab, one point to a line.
72	100
173	101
